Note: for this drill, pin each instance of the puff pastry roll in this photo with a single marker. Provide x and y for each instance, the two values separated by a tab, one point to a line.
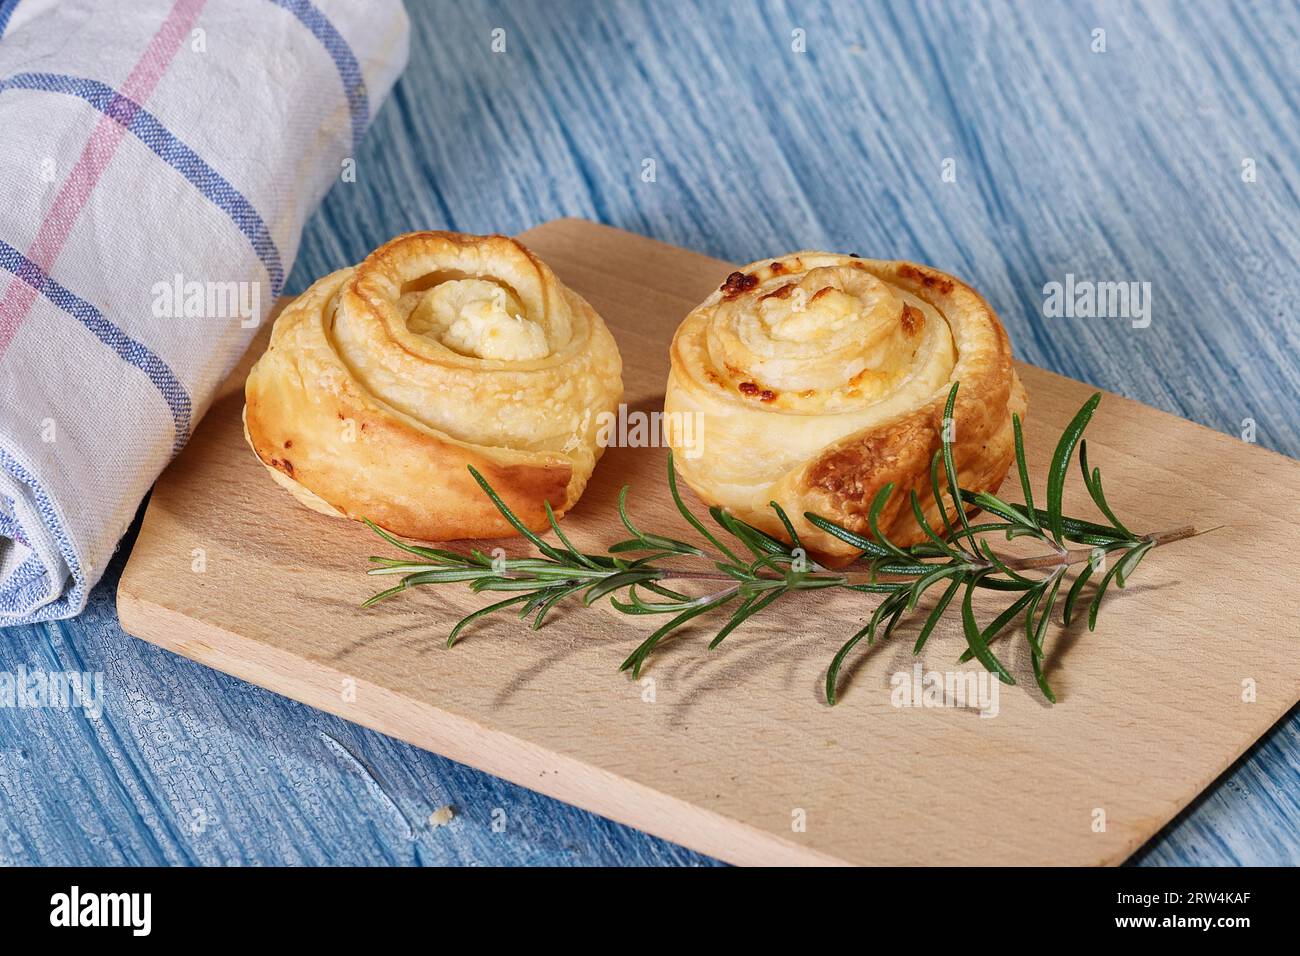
818	378
384	381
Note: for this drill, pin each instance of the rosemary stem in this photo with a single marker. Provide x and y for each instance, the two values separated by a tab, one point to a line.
1037	562
1080	555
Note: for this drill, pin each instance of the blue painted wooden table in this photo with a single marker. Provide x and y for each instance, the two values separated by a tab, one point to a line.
1010	143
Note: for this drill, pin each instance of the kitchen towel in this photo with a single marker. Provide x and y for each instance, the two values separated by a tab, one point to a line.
157	161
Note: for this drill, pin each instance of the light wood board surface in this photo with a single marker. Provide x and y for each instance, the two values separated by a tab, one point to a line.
729	751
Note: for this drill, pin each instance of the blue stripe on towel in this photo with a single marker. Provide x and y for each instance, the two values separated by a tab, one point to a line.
12	601
24	587
130	350
7	8
147	128
345	61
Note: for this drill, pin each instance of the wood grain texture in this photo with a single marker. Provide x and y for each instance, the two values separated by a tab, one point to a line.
1119	165
732	746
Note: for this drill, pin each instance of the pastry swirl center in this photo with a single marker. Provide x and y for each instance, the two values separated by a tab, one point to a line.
831	337
478	318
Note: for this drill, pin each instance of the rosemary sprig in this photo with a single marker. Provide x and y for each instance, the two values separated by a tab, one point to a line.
757	570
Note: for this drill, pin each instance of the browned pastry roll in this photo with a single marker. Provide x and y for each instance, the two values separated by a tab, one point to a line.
818	378
439	351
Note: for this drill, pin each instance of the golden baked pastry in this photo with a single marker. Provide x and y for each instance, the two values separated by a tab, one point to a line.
384	381
817	378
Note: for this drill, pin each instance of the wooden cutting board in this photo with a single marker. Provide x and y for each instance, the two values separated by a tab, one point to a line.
734	752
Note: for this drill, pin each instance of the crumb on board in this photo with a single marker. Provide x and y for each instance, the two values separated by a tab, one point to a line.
441	817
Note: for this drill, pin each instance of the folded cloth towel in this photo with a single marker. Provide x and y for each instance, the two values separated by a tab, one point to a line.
157	161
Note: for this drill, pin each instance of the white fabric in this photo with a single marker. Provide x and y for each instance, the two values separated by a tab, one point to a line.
238	116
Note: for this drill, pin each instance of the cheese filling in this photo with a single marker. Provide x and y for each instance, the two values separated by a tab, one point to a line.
478	318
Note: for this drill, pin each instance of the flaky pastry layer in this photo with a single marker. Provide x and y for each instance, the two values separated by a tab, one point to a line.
383	382
815	379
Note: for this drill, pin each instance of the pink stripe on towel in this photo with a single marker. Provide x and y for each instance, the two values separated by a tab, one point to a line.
94	159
